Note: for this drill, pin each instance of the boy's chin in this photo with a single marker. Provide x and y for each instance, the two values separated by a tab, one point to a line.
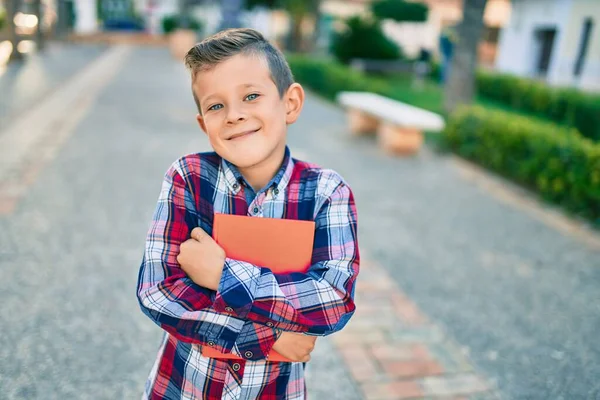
245	160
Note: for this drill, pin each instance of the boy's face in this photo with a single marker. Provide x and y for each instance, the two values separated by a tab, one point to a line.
242	113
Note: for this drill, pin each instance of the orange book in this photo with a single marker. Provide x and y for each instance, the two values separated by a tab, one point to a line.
282	245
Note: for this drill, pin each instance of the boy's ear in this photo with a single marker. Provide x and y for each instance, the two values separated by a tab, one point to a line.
200	120
294	100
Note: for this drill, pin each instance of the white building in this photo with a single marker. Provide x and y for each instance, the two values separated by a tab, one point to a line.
554	40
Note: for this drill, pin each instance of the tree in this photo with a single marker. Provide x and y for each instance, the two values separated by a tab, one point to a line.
400	10
364	38
460	87
298	10
39	33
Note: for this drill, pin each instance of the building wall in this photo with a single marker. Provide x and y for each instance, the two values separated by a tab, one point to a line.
517	44
86	20
590	76
517	48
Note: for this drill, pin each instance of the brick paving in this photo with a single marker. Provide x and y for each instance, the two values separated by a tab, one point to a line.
393	351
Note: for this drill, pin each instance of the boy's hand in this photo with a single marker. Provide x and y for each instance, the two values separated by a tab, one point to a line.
295	346
202	259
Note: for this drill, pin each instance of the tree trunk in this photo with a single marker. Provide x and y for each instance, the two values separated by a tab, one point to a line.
296	34
12	6
460	87
61	27
316	14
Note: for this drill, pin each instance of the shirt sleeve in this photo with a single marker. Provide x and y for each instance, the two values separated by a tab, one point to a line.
318	302
171	299
255	341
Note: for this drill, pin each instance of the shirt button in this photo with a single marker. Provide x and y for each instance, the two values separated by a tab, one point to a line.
228	309
255	210
270	324
248	354
211	343
236	367
236	186
275	192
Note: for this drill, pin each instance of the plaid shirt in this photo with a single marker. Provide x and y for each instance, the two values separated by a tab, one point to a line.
251	307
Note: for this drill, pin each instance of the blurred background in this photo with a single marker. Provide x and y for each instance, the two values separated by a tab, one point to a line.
469	131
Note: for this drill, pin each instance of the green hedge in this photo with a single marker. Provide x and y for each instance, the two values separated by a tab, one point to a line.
556	161
329	77
564	105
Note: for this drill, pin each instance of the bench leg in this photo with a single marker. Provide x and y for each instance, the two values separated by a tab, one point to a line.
361	123
394	139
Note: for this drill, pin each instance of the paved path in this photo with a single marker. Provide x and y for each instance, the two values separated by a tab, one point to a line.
459	290
25	83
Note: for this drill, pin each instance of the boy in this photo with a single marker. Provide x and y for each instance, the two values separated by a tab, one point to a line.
246	97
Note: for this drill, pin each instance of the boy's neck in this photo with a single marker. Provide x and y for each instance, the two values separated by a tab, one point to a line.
259	175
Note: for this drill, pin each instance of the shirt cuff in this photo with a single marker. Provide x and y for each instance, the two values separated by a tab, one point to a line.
221	332
256	342
235	294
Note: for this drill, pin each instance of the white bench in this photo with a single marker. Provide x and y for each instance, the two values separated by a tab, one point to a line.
399	126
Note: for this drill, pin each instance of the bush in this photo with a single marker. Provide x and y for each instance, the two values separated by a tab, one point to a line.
435	70
401	11
562	165
563	105
363	38
328	78
173	22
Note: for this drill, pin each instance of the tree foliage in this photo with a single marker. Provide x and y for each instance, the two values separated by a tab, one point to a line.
364	38
400	10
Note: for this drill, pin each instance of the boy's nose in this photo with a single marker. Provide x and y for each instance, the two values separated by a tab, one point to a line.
234	116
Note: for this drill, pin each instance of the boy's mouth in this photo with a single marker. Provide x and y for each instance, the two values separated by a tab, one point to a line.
242	134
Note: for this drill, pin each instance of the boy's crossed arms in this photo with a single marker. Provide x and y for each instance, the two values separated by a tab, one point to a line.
197	294
203	259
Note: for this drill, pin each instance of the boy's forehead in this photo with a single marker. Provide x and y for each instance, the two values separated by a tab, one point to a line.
239	71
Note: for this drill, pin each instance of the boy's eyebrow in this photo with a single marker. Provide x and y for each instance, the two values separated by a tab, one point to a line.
203	99
251	85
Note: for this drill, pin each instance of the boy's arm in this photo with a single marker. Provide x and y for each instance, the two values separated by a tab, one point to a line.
318	302
171	299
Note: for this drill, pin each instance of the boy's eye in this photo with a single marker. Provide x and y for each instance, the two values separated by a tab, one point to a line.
252	96
215	107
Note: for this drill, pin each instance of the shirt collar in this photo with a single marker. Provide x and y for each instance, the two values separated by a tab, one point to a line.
234	178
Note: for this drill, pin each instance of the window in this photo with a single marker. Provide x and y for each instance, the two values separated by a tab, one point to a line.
586	32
